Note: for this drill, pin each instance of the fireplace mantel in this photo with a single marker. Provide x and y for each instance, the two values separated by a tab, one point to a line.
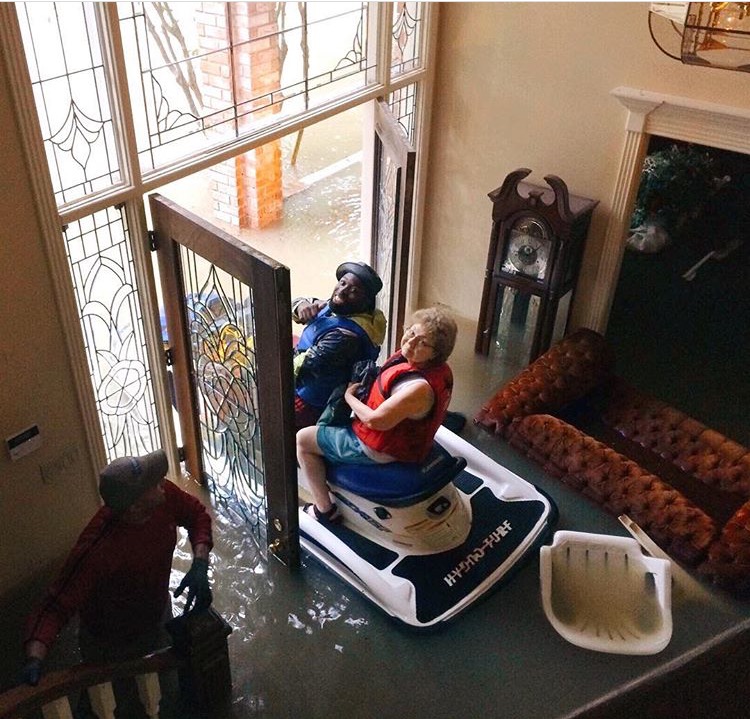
650	113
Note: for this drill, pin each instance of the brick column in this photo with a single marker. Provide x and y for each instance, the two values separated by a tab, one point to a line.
247	191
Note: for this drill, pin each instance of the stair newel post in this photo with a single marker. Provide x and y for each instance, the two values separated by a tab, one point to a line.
205	678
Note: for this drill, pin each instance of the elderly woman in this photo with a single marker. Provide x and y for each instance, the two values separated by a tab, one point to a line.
406	405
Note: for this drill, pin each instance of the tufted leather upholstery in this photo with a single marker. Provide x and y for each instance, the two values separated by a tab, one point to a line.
566	372
693	447
615	482
522	410
728	561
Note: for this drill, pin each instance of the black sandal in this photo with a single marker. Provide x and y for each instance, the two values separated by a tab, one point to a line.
332	516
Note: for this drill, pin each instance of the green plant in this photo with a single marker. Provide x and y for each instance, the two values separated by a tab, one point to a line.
675	184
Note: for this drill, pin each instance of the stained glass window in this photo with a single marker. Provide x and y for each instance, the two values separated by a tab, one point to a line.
202	73
101	264
407	37
68	77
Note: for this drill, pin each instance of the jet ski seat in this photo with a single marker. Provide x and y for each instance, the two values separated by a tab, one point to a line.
398	484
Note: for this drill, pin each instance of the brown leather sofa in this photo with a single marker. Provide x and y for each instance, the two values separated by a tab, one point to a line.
687	485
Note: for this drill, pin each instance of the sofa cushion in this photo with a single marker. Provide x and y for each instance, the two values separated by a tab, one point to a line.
618	484
697	450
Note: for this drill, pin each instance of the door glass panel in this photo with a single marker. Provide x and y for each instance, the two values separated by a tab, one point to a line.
403	104
407	37
68	77
228	315
394	193
221	326
101	265
385	235
202	73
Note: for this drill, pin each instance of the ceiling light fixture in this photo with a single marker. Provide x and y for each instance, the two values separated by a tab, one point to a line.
711	34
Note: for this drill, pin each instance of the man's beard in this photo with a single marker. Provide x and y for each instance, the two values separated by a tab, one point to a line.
348	308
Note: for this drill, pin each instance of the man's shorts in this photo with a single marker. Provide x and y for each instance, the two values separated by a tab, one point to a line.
341	445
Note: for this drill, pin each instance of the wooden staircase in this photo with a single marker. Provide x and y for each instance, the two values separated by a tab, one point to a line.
199	654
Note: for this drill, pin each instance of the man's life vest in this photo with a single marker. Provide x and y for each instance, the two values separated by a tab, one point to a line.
411	439
316	393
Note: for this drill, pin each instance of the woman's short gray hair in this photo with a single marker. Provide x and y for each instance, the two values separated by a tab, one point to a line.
439	324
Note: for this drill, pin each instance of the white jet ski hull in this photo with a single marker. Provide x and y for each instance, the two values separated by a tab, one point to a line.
509	519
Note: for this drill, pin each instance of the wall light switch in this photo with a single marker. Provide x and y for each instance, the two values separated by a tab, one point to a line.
24	442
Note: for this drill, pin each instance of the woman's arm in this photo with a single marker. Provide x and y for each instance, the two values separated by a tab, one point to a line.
414	400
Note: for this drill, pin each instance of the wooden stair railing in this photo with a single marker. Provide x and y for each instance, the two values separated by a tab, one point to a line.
51	694
199	653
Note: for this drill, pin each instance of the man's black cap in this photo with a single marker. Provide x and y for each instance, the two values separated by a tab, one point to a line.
364	273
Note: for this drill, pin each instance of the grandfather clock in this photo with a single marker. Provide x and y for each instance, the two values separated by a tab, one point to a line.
534	258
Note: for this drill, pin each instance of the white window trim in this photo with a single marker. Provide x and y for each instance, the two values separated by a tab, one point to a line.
50	226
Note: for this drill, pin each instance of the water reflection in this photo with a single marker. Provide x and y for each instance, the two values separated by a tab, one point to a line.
279	617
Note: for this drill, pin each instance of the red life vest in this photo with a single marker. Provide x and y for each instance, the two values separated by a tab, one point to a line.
411	439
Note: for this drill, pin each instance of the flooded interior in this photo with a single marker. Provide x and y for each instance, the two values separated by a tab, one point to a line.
304	644
304	641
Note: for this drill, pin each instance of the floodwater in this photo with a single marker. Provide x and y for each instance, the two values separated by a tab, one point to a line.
305	644
320	227
277	614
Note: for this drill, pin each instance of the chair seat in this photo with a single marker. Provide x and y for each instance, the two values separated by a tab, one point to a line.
398	484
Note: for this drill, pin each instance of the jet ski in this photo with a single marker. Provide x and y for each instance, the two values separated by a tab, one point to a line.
425	541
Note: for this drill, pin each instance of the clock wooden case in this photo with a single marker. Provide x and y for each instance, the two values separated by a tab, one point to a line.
534	258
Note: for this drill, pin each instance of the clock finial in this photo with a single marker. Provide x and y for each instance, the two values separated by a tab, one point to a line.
510	184
562	196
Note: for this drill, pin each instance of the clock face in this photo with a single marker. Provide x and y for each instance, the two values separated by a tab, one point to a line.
528	249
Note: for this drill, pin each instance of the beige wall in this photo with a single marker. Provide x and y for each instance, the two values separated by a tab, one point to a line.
528	85
46	497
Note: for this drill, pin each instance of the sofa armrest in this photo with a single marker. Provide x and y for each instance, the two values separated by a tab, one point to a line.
728	561
566	372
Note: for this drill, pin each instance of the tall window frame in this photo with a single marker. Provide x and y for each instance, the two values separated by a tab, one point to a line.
388	78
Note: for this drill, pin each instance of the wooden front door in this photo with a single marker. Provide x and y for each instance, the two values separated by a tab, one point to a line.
228	312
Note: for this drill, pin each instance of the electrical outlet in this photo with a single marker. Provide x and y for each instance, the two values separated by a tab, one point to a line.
66	461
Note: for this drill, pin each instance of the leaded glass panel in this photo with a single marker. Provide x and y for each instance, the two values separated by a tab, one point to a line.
68	78
407	37
403	104
203	73
387	199
221	326
101	264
